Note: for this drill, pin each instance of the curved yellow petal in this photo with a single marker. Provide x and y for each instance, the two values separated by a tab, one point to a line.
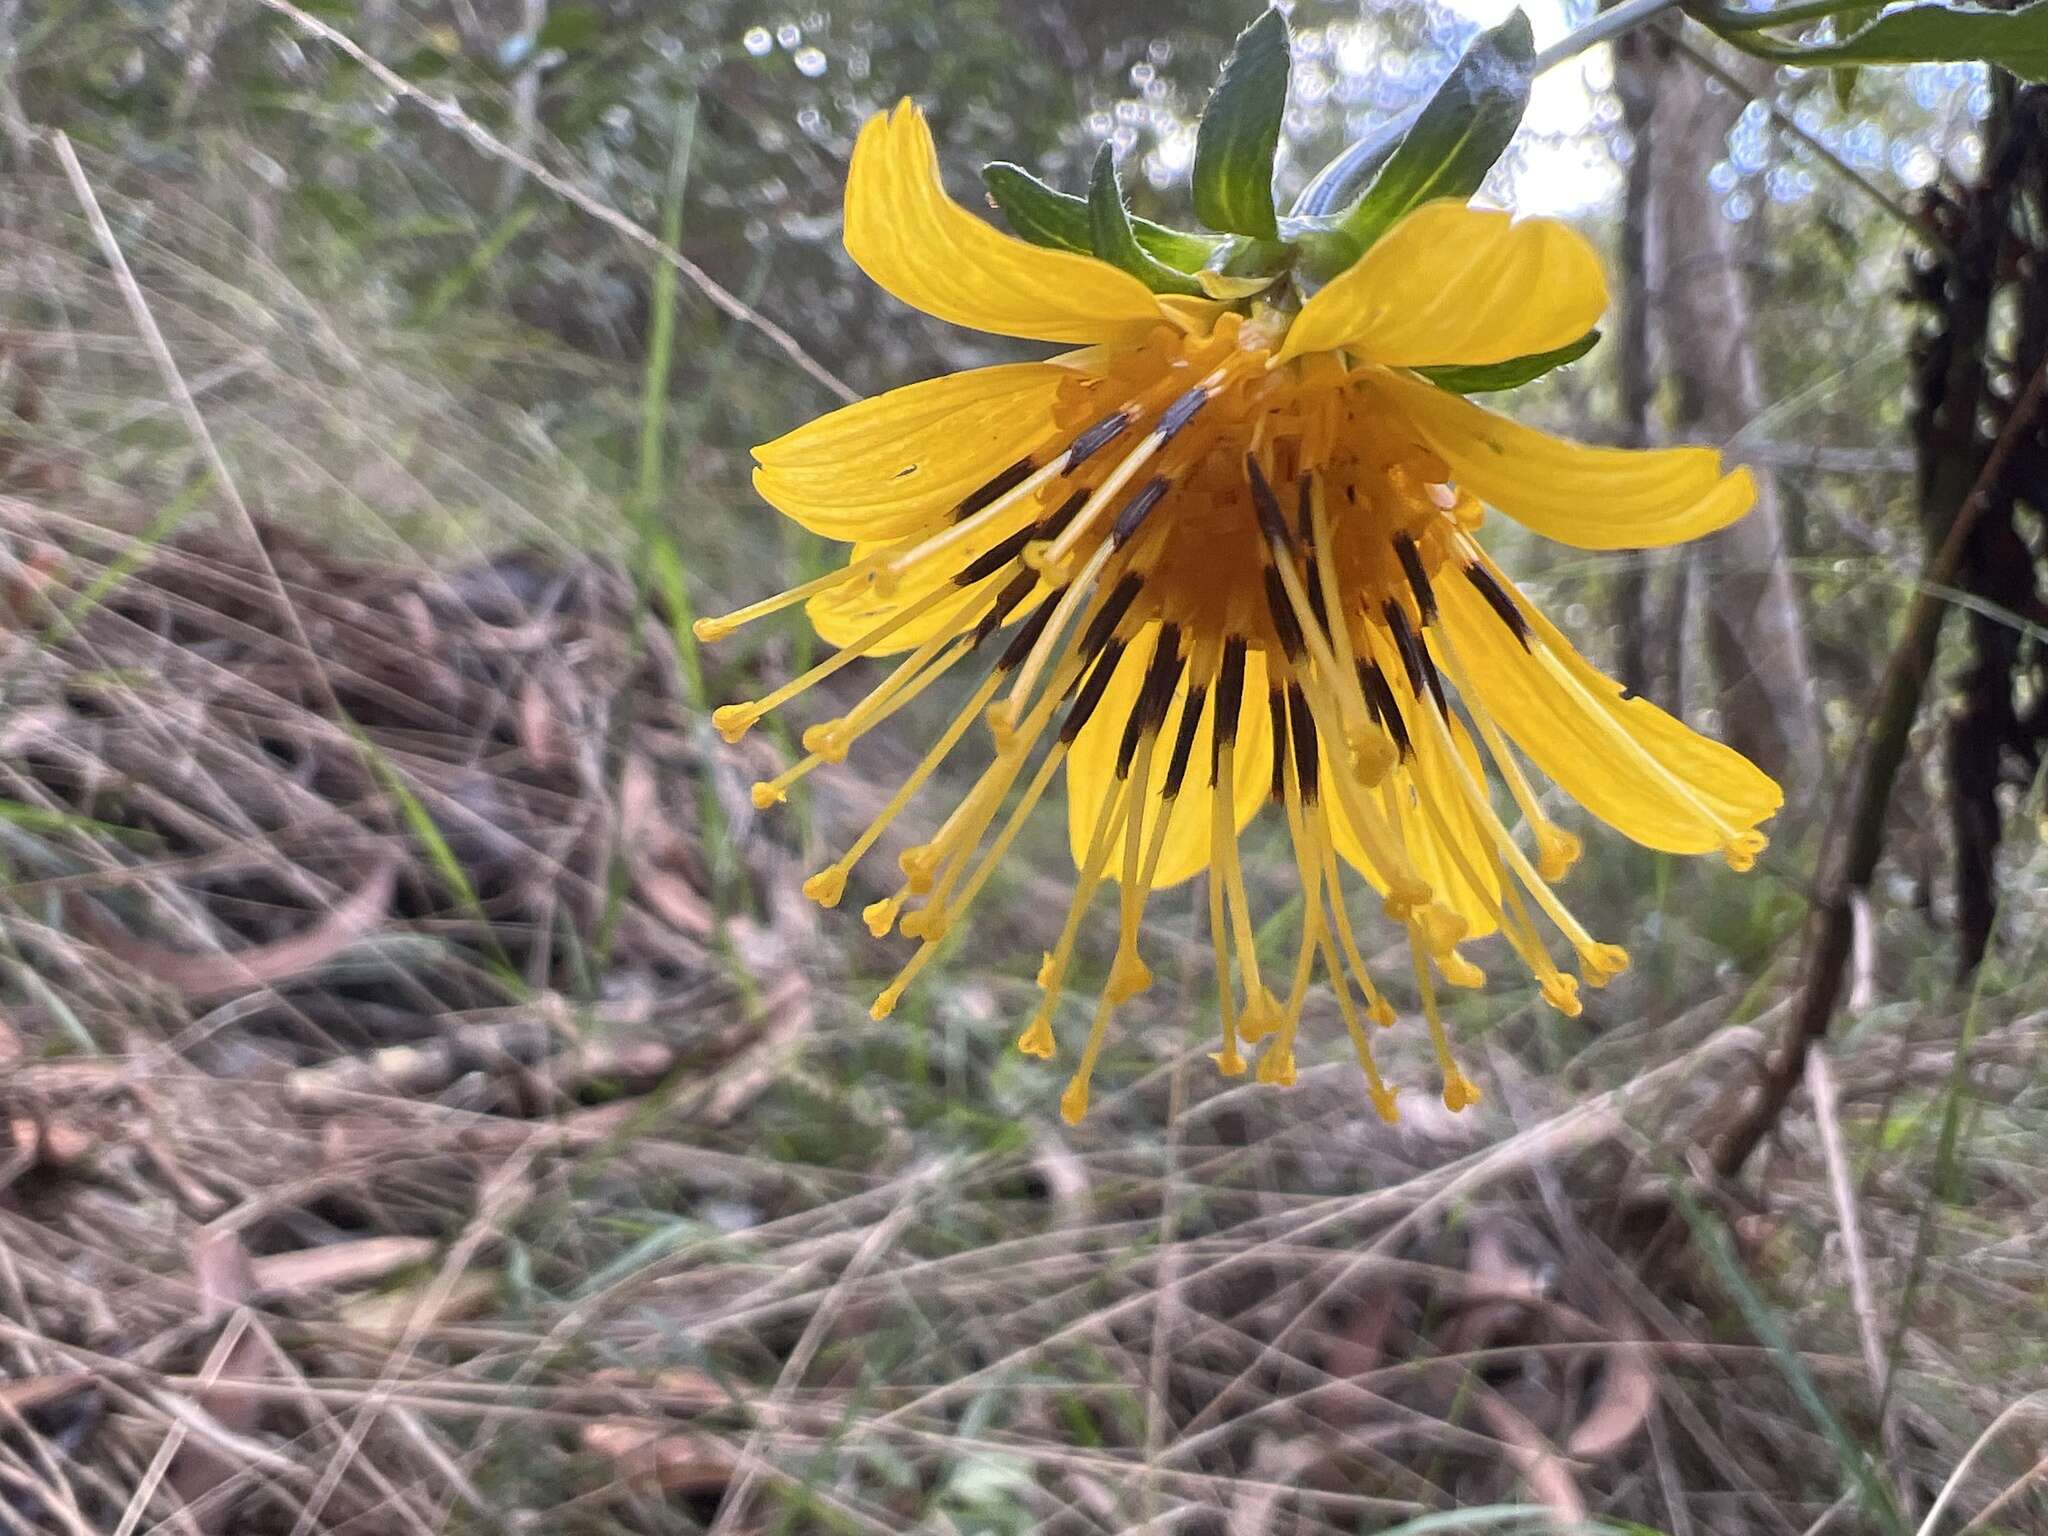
1091	764
1465	872
881	467
1452	284
1601	749
843	614
912	239
1594	498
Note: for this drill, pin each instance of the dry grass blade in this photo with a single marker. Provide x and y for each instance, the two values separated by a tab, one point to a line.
203	977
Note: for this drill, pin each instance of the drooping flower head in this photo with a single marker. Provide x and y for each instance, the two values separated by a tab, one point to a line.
1222	562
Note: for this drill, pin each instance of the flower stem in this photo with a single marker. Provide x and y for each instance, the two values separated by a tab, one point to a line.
1725	18
1608	24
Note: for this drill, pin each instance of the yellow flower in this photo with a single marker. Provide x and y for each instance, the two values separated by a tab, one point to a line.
1221	558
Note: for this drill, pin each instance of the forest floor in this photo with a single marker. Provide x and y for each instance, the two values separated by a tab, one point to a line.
428	1104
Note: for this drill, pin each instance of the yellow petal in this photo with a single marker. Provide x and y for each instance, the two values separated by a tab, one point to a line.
934	255
881	467
1569	734
1452	284
1091	764
1464	872
1594	498
843	615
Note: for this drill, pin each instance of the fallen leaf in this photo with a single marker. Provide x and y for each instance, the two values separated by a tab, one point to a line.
654	1460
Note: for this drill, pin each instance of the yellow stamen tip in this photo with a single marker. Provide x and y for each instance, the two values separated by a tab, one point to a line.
1037	1040
1038	556
1601	963
1276	1066
1562	993
1046	974
1460	1092
1373	754
1742	853
828	740
1382	1013
1383	1104
710	631
880	916
1228	1061
766	794
927	923
1074	1102
1406	897
886	1004
732	721
1441	927
1262	1016
1556	852
920	866
1128	976
827	886
1457	971
886	580
1002	725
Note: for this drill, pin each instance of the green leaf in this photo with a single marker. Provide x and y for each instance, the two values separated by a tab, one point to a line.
1458	135
1337	185
570	28
1488	378
1932	33
1239	131
1113	240
1045	216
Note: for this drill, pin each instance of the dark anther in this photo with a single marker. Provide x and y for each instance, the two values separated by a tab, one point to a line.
1271	523
1056	521
1303	729
1404	642
1136	510
1318	609
1026	636
1095	439
1002	485
1090	694
1626	694
1184	739
1415	657
1111	614
1155	696
1284	621
1379	698
1500	600
1229	701
1305	512
1180	413
1014	592
994	558
1418	578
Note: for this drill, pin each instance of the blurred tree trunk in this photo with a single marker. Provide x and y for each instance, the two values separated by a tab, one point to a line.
1756	636
1634	594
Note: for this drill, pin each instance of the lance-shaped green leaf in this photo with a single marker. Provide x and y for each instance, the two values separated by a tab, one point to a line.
1239	131
1112	239
1488	378
1933	33
1046	216
1457	136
